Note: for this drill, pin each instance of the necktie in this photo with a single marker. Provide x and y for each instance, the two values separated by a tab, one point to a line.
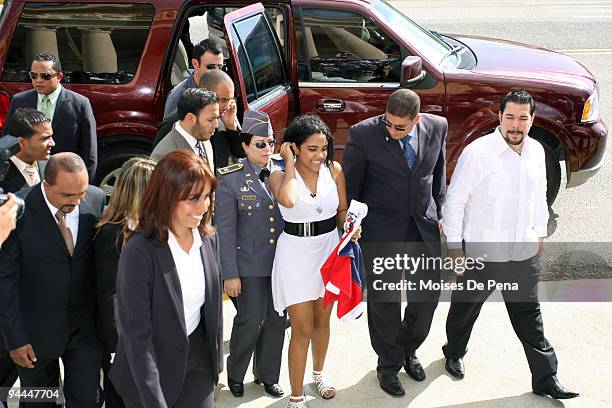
263	174
31	173
201	151
65	231
409	153
46	106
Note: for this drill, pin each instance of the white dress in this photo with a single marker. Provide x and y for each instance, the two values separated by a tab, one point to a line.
296	274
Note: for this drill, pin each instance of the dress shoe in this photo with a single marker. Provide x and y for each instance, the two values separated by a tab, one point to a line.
413	367
454	365
274	390
555	390
391	384
236	388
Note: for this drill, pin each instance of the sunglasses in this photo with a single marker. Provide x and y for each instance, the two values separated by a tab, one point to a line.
398	128
44	75
262	145
215	66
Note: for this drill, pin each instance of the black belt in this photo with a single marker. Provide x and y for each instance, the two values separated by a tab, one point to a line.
310	229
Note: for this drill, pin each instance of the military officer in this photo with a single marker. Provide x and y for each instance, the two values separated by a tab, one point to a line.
249	223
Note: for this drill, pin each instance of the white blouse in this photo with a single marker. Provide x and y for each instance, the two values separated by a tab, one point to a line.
190	271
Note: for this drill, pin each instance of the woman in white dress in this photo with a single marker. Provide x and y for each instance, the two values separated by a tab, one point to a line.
312	199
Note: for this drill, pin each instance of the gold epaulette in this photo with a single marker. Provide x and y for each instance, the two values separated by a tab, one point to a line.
230	169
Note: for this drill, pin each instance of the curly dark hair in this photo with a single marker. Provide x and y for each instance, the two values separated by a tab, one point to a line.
520	97
304	126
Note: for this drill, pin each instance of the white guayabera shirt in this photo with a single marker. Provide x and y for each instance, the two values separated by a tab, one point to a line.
497	196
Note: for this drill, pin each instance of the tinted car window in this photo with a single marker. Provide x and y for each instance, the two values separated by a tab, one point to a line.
261	55
342	46
207	22
96	43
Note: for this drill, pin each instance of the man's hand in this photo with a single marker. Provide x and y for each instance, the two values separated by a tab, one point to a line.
541	249
455	254
24	356
229	117
356	235
8	217
441	226
232	287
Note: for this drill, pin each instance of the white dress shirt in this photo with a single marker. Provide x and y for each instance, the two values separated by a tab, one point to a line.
30	172
72	218
193	142
497	196
52	98
190	271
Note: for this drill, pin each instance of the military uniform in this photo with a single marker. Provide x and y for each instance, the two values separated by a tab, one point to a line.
249	222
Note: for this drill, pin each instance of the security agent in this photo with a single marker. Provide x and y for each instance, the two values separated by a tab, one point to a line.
249	223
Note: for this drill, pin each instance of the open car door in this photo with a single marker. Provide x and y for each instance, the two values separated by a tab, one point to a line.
259	65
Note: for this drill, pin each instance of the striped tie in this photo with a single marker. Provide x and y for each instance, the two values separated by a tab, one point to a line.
201	151
65	231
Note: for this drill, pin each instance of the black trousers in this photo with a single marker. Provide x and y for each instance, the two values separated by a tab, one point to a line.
111	398
392	337
8	373
522	306
258	331
81	360
198	389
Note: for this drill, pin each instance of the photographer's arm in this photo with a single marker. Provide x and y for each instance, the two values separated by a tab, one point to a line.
8	217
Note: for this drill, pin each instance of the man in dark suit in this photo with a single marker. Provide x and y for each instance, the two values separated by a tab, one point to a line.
395	164
47	298
198	111
226	142
27	168
249	223
72	119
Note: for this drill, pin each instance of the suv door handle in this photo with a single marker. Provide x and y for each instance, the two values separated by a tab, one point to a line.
330	105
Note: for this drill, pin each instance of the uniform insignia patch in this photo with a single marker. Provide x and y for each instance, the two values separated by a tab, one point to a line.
248	197
230	169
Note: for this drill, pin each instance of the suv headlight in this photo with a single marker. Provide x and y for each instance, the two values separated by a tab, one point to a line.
590	113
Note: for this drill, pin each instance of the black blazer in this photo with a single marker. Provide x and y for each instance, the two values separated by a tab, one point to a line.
42	288
107	247
14	180
377	174
74	125
153	344
225	143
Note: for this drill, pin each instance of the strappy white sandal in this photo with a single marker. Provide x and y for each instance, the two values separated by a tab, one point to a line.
323	386
297	402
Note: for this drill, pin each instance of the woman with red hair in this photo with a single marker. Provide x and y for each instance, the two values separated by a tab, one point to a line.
170	352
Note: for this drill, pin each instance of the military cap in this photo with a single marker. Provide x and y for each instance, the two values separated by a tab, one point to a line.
256	124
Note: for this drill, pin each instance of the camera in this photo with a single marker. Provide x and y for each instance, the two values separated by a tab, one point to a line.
9	146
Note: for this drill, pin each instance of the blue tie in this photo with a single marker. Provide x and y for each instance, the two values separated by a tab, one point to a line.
409	153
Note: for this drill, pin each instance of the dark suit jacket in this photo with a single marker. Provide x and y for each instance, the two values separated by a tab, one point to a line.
153	344
377	174
14	180
74	125
43	291
107	247
225	142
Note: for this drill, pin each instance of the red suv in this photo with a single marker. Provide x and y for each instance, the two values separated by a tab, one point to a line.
339	59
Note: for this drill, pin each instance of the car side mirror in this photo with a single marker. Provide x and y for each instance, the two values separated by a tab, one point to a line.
412	71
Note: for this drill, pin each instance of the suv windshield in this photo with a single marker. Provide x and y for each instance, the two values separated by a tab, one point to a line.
430	46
